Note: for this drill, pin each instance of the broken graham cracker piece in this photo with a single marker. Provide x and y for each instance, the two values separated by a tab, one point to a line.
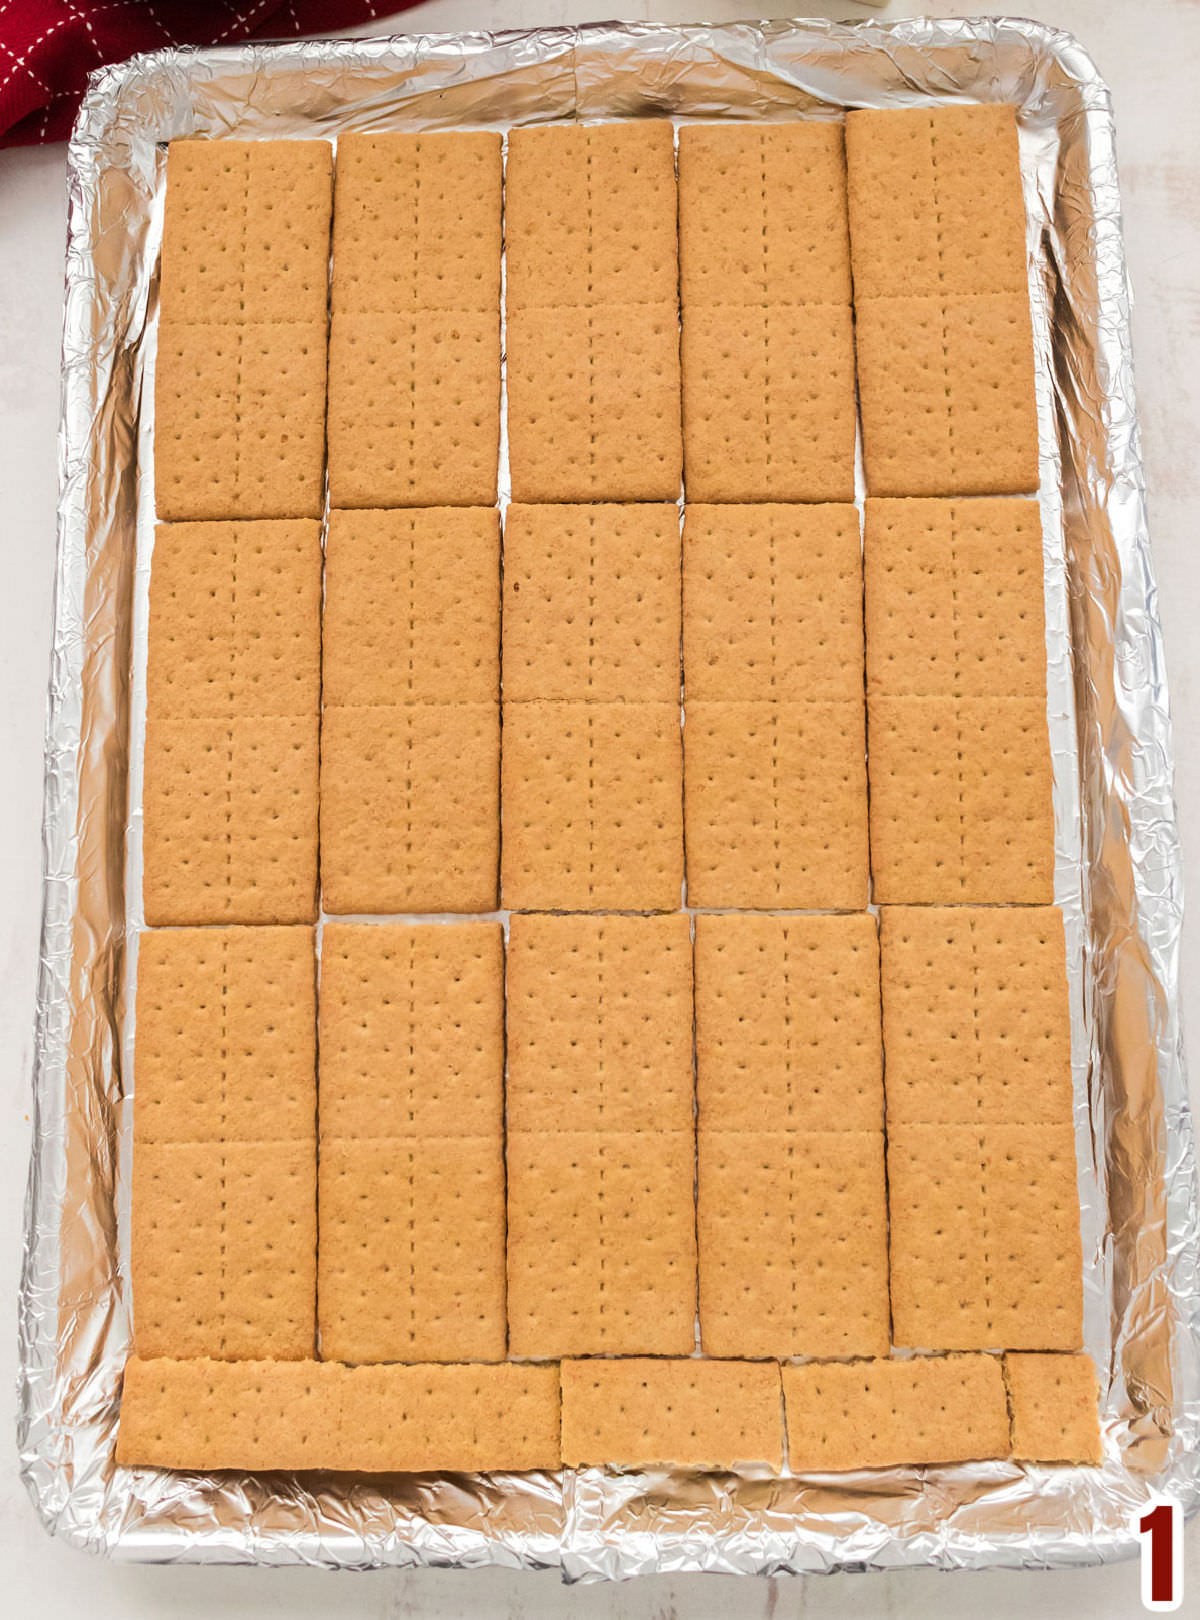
412	606
1053	1404
264	1415
762	214
237	1003
690	1414
954	598
593	815
787	1023
961	800
975	1015
772	602
599	1024
768	402
223	1248
844	1415
985	1245
793	1253
411	1030
591	602
601	1243
411	1248
409	808
775	805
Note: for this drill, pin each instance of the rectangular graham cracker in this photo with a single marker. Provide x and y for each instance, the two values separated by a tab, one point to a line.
246	231
601	1243
590	215
768	402
775	805
226	1035
936	202
946	391
961	800
975	1015
417	222
409	808
691	1414
793	1254
772	602
412	1030
985	1246
880	1414
229	811
599	1024
762	214
412	607
594	402
264	1415
593	813
411	1249
239	427
591	602
787	1024
224	1248
954	598
1053	1404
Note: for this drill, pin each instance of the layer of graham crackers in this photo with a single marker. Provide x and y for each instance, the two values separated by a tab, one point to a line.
1052	1400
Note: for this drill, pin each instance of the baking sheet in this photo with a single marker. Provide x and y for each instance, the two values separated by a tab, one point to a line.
1118	876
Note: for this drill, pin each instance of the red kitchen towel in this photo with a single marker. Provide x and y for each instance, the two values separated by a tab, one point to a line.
48	47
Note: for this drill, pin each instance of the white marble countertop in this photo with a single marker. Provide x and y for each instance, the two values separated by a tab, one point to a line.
1147	50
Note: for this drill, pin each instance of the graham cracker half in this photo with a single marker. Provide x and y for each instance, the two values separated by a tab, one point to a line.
1053	1405
690	1414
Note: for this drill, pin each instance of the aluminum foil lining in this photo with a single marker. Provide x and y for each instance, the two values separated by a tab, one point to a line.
1118	865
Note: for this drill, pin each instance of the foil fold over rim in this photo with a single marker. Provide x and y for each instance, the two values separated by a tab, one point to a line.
1118	870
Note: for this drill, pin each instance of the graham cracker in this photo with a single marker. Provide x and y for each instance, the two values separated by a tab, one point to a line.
954	598
416	222
411	1250
593	402
787	1023
226	1035
793	1249
224	1240
246	231
768	402
229	811
961	800
412	607
985	1246
775	805
590	215
946	391
762	214
412	1030
414	408
935	200
593	815
772	602
599	1024
591	602
239	420
235	620
601	1243
264	1415
691	1414
1053	1405
409	808
845	1415
976	1020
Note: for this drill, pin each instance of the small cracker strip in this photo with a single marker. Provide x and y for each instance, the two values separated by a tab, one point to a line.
1053	1404
844	1415
264	1415
689	1414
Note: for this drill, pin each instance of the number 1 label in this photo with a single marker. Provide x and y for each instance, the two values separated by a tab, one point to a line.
1161	1530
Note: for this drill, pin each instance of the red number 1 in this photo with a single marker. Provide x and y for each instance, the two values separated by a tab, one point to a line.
1162	1564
